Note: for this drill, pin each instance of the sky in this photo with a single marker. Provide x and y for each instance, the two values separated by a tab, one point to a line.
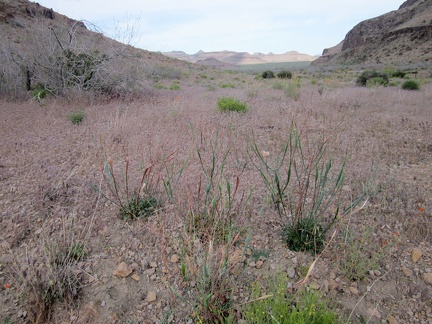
277	26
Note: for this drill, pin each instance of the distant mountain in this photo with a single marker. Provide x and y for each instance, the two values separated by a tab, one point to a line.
242	58
402	36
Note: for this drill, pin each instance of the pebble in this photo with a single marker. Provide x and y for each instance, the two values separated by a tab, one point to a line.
427	277
407	272
151	296
416	254
153	264
259	264
135	277
353	290
122	270
392	320
174	258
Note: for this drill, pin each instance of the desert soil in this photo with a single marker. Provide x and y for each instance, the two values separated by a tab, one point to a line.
49	169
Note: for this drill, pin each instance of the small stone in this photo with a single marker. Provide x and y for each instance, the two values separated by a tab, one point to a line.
407	272
150	271
427	277
291	273
392	320
416	254
174	258
135	277
122	270
153	264
259	264
325	286
333	284
151	296
252	264
353	290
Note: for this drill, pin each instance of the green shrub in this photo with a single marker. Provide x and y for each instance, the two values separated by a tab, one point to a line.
398	74
274	306
367	75
76	118
284	74
268	74
410	85
231	104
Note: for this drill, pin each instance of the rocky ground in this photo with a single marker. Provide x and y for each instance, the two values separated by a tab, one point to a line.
376	268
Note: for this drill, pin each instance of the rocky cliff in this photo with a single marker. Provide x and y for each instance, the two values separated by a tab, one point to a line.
403	36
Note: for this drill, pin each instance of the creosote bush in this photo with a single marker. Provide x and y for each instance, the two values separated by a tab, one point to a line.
368	75
410	85
231	104
284	74
268	74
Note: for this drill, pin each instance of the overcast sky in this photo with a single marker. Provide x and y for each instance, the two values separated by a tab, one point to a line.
277	26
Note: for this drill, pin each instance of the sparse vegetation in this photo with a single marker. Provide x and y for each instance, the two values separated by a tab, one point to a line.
231	104
221	201
275	306
410	85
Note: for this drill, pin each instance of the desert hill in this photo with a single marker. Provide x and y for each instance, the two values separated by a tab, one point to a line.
45	50
403	36
242	58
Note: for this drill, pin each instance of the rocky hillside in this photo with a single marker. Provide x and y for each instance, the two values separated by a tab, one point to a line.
44	50
403	36
242	58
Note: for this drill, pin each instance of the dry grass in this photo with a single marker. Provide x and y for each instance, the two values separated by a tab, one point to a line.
48	168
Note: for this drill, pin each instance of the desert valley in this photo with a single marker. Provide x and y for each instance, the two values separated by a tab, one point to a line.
225	187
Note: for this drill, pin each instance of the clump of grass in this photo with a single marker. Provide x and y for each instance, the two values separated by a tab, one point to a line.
77	117
274	306
291	88
139	208
141	202
302	188
360	254
49	276
211	233
231	104
410	85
